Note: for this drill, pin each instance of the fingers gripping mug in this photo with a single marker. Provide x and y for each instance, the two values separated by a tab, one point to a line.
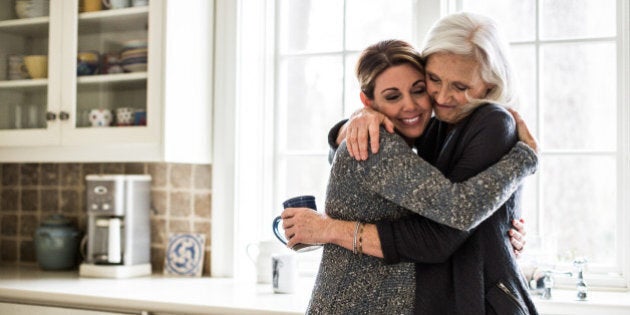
295	202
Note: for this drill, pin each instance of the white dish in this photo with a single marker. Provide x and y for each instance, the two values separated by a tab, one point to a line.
135	44
135	67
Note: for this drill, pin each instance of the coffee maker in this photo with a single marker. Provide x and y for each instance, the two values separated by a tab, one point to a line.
119	232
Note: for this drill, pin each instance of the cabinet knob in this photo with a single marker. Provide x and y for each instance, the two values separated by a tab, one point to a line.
50	116
64	116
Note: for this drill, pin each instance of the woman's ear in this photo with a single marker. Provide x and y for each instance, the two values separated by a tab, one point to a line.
367	102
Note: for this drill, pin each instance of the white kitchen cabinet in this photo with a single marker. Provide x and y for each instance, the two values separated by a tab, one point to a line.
46	120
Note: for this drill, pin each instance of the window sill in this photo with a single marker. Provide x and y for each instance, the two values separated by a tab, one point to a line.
599	302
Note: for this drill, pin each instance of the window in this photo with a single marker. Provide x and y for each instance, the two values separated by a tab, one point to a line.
295	79
567	56
317	46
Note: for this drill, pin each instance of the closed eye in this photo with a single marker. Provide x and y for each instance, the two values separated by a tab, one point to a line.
419	87
461	87
392	97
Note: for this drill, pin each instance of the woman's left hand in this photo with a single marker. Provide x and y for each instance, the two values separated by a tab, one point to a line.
304	225
523	131
517	236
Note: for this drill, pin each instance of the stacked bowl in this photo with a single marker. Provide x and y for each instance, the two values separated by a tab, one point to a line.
31	8
88	62
133	57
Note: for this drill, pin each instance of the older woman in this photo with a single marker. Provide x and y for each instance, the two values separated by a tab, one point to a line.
468	75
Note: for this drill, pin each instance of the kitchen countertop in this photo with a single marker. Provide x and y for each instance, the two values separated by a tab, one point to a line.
164	294
155	293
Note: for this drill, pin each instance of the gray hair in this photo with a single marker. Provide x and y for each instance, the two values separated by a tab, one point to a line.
476	36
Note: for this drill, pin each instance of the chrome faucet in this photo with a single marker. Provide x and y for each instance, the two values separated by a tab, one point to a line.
542	282
582	288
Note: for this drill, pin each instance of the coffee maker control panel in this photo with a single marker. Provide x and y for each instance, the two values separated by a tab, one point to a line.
103	198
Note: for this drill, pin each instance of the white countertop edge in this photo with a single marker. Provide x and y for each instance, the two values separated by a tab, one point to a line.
158	293
126	305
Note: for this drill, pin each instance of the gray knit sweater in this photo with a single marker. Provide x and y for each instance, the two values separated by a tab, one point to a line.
390	185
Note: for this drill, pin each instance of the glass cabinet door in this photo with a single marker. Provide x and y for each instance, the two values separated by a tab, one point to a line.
111	67
24	88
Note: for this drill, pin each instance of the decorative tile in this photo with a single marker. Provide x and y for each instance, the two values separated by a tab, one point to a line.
135	168
184	255
28	225
202	227
158	231
91	169
29	174
70	200
9	200
50	200
158	172
158	202
71	174
179	226
49	174
9	225
202	205
203	176
10	174
181	176
113	168
180	204
30	200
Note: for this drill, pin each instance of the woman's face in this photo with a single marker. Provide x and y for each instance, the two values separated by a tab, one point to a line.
400	94
451	80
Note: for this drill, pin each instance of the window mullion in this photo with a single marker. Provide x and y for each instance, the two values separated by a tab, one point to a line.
623	101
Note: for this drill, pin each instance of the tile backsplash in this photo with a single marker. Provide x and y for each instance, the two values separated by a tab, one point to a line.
30	192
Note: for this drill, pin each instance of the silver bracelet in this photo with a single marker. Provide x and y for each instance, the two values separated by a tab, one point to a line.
354	240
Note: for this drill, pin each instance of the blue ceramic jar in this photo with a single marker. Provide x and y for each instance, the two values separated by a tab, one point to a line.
56	243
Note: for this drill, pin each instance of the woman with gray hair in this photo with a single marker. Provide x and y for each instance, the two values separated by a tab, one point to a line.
469	80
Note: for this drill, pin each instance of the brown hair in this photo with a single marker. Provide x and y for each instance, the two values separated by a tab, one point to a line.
379	57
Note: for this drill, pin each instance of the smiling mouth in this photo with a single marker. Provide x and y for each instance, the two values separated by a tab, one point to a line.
410	121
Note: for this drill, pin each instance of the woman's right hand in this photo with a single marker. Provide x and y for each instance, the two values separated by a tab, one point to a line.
523	132
304	225
364	124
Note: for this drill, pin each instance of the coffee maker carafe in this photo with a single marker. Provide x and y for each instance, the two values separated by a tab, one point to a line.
119	232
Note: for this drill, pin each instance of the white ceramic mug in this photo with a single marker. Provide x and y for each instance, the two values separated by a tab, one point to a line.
116	4
124	116
101	117
262	259
284	272
139	3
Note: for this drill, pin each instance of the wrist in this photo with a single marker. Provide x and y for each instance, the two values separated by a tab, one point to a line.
340	232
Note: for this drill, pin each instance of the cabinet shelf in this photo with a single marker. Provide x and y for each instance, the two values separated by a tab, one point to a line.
26	27
24	84
118	20
113	80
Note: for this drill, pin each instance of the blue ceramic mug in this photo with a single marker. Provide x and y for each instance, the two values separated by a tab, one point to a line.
305	201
